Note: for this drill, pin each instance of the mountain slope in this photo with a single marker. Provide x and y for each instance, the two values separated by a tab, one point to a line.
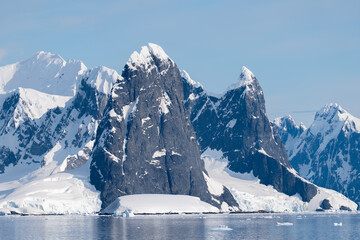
45	72
38	154
328	152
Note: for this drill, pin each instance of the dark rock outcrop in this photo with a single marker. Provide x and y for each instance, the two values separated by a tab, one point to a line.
236	124
145	142
325	204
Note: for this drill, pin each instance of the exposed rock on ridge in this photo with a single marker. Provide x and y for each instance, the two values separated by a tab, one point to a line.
236	124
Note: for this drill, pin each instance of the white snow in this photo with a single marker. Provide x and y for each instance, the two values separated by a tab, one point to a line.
38	103
247	190
159	153
253	196
126	111
246	79
34	104
46	192
264	152
175	153
231	123
157	51
192	97
165	102
336	200
221	228
329	121
158	203
187	77
45	72
102	78
214	187
144	120
155	162
284	223
145	59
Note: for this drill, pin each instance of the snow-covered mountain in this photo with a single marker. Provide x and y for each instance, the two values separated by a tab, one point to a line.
328	152
44	136
45	72
79	140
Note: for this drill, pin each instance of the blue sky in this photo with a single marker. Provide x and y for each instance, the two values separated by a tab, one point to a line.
304	53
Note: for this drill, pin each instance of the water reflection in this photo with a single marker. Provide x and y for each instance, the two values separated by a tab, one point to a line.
243	226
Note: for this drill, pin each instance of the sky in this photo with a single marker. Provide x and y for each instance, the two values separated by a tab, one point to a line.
305	54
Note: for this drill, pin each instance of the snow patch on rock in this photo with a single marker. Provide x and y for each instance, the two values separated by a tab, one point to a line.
159	153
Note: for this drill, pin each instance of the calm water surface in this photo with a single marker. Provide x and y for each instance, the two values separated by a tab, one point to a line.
232	226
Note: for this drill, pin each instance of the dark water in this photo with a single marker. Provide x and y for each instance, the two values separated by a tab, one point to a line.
239	226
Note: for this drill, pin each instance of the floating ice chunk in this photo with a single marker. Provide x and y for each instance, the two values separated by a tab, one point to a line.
339	224
222	228
284	224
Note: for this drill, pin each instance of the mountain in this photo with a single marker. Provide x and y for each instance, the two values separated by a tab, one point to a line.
235	124
328	152
145	143
44	159
151	130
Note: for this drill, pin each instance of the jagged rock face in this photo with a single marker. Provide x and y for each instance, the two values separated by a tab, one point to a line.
145	142
236	124
328	153
288	131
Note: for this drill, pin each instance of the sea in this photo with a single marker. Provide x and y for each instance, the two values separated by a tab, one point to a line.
196	226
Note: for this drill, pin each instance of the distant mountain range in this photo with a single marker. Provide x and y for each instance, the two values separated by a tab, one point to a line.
328	152
76	140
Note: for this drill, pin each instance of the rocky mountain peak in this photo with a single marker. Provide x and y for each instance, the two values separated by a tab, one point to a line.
331	112
333	118
184	74
47	58
288	124
150	56
327	153
248	81
246	77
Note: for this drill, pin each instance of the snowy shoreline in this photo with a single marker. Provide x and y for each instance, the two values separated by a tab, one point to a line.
260	212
